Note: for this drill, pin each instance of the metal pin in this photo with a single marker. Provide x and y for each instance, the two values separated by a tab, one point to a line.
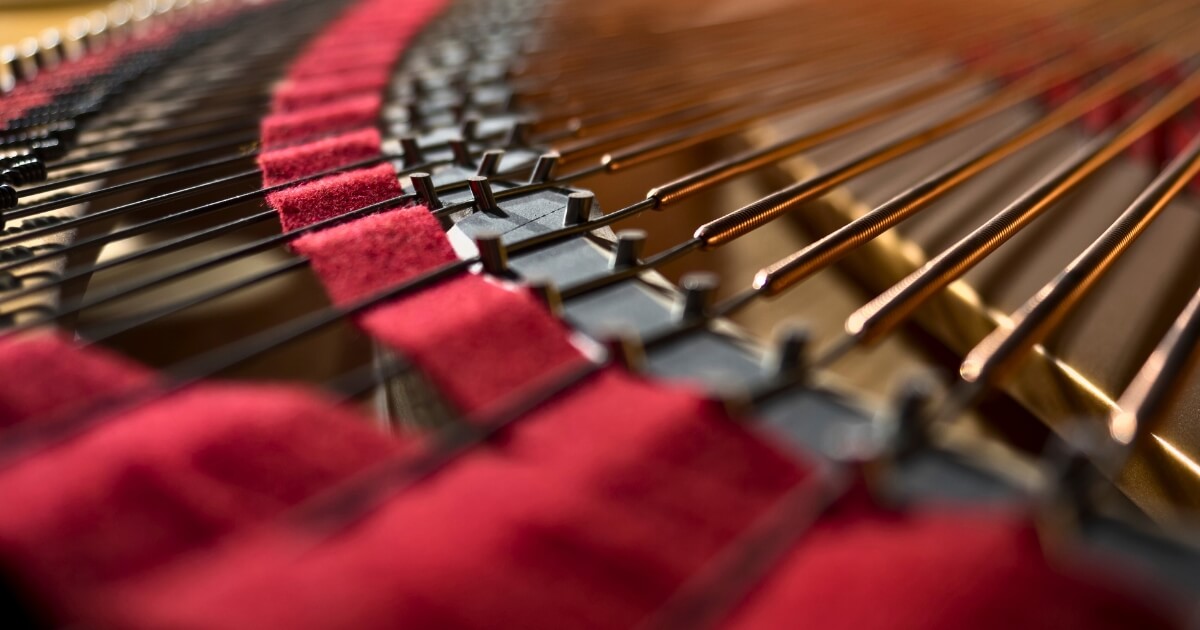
1066	498
736	401
97	34
489	163
630	244
51	48
547	293
411	151
544	168
626	350
462	153
909	417
25	61
789	357
8	70
698	289
75	40
481	191
412	114
469	128
416	88
426	191
518	136
492	253
579	208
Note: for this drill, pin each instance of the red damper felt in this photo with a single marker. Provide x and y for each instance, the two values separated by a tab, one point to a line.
589	513
333	196
324	120
285	165
862	567
45	374
296	95
170	477
364	257
476	341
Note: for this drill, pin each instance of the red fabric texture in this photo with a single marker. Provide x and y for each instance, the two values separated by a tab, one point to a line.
284	165
587	514
170	477
320	91
865	567
368	255
474	339
45	374
333	196
348	114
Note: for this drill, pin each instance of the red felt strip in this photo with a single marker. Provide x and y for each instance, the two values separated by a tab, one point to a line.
587	514
297	95
368	255
170	477
333	196
475	340
284	165
864	567
45	374
324	120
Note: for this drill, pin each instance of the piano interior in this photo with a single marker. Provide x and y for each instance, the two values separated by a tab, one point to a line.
556	313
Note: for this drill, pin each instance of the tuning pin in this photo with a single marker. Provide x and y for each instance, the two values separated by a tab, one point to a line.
698	290
481	192
518	135
75	39
489	163
1070	478
416	88
97	35
492	253
426	191
625	349
789	357
544	168
462	154
909	418
50	49
412	114
29	50
547	293
410	152
143	10
8	69
23	65
630	244
579	208
119	16
469	128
